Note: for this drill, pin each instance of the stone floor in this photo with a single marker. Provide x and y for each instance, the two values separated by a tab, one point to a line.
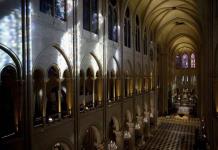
173	133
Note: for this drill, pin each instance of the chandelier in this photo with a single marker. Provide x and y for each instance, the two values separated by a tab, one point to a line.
127	135
112	145
137	126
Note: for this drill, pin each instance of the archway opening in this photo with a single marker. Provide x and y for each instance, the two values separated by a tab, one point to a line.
66	95
38	93
53	107
9	104
89	89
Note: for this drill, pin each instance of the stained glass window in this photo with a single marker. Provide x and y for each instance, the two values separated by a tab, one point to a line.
90	15
178	61
112	21
86	15
110	13
127	33
46	6
94	16
137	38
193	60
60	9
185	63
56	8
115	33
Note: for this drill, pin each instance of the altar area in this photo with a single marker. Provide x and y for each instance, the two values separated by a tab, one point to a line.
184	102
185	110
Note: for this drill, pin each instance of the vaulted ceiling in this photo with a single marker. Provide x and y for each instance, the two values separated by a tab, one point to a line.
175	24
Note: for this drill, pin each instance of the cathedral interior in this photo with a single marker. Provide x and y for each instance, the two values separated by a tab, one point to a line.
108	75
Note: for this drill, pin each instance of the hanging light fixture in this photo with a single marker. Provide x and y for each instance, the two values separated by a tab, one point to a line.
151	115
112	145
50	120
137	126
145	120
127	135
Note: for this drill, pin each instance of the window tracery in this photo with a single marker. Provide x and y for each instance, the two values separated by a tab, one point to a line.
90	15
127	29
185	61
193	65
137	35
113	21
55	8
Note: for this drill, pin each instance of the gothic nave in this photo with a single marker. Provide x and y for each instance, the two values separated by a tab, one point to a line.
108	75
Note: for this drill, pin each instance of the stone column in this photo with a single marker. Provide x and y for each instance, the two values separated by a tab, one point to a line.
139	119
114	87
93	92
59	99
141	130
44	103
131	127
147	124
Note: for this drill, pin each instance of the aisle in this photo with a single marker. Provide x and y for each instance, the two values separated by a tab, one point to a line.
173	134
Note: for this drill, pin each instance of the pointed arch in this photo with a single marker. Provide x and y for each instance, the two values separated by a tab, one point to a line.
91	61
129	116
15	59
113	62
60	50
113	20
56	47
193	60
116	123
54	70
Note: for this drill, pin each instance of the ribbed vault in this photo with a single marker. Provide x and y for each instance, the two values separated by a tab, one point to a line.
174	24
